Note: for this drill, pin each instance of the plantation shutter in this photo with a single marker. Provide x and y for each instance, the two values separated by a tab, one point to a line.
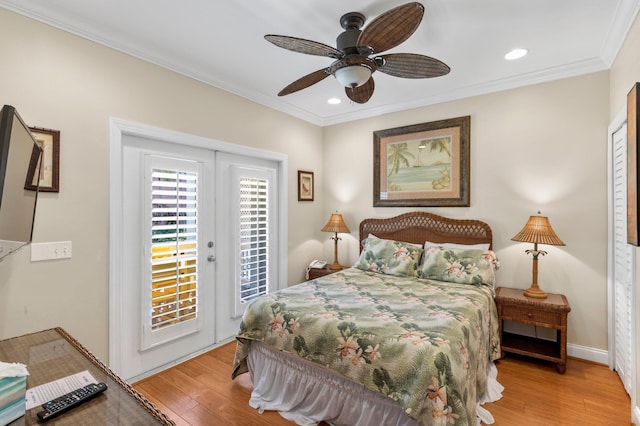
171	301
253	235
254	242
174	283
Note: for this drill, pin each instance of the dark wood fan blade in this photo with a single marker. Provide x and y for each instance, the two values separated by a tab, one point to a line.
361	94
306	81
301	45
411	65
392	27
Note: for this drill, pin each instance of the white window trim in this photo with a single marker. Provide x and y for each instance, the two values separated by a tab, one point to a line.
118	128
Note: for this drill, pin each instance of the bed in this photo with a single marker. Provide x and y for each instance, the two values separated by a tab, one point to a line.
407	336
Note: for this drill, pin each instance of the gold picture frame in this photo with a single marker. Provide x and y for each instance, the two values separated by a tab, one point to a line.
305	185
49	164
423	165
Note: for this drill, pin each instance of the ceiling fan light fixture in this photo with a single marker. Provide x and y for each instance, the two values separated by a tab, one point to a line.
353	64
352	76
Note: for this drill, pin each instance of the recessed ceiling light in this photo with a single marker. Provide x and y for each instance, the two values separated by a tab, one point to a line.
515	54
334	101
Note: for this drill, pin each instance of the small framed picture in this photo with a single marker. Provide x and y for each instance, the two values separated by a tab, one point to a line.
305	186
49	163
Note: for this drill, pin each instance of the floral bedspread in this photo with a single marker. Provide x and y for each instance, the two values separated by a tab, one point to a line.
425	344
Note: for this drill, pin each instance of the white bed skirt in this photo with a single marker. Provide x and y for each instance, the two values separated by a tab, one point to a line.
305	393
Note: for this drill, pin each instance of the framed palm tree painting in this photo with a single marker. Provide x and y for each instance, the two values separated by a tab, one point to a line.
422	165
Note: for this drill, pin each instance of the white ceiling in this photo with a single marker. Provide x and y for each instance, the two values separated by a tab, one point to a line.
220	42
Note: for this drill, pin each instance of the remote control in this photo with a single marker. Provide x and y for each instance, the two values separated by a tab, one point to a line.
66	402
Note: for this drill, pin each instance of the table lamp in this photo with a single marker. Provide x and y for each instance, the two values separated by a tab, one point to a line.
537	230
336	224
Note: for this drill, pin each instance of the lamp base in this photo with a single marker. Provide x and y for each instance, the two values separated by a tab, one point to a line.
335	267
535	293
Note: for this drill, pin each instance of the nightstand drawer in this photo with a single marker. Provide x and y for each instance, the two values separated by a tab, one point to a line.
526	314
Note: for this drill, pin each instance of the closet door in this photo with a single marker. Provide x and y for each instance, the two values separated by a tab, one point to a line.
623	267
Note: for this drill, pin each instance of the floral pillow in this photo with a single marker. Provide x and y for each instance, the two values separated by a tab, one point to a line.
460	265
389	257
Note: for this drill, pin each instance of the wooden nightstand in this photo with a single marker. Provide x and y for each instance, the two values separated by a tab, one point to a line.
548	313
317	273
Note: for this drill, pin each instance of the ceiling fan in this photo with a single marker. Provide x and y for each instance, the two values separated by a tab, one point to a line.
355	59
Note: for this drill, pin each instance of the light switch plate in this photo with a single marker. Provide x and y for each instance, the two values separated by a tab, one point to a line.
50	251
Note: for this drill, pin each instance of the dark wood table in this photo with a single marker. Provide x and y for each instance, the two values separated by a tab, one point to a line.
53	354
315	273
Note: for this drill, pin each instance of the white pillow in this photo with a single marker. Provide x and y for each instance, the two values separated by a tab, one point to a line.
413	244
484	246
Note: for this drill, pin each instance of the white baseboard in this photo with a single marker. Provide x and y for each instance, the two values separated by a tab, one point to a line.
590	354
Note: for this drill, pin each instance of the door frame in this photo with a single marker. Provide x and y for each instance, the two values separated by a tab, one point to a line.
119	128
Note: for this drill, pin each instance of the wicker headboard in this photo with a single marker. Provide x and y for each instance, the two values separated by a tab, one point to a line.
418	227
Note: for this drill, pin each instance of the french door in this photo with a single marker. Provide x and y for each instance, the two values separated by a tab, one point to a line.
168	293
247	221
198	230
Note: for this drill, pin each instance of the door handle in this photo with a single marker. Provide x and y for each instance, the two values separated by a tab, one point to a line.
211	258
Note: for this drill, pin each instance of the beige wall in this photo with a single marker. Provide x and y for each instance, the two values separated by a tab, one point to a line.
60	81
625	72
535	148
541	147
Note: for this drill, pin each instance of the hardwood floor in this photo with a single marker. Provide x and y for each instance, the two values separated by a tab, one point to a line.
201	392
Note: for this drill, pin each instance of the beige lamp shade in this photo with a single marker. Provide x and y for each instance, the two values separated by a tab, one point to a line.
336	224
538	230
